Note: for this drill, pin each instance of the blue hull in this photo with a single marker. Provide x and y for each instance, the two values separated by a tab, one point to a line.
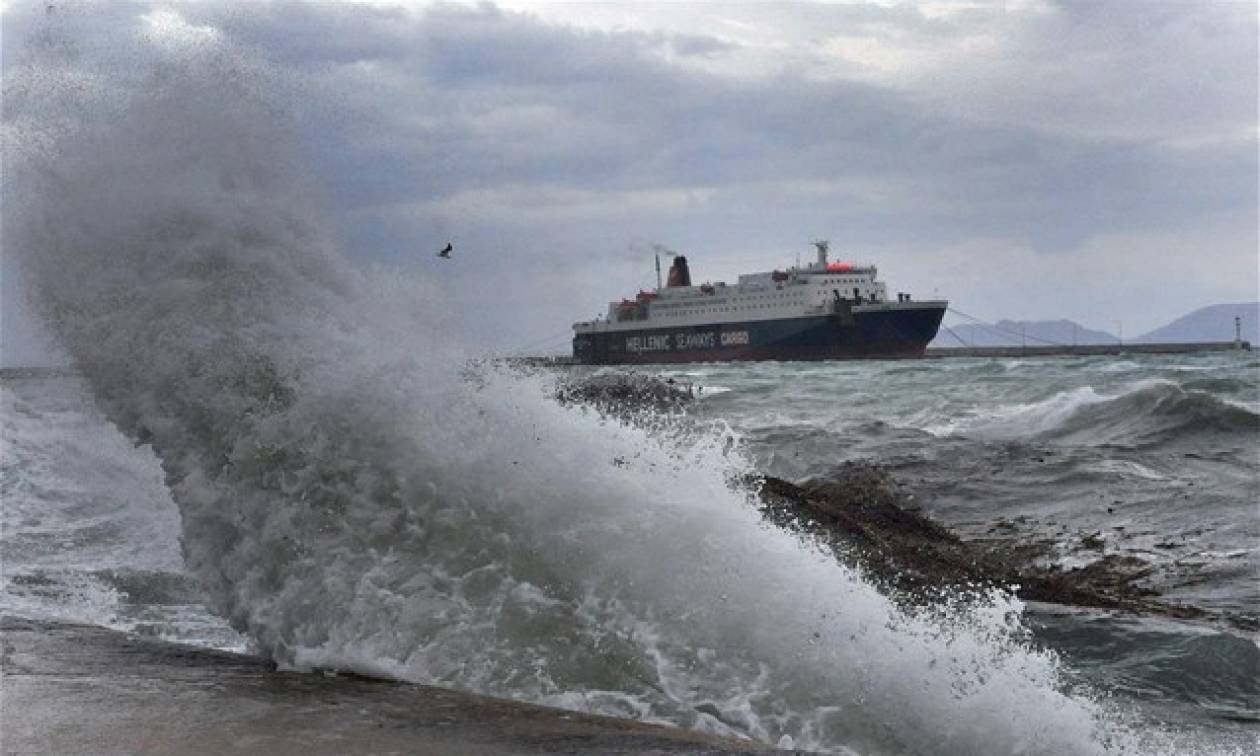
859	335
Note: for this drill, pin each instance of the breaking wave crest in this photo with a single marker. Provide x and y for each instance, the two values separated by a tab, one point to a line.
352	497
1147	413
1155	412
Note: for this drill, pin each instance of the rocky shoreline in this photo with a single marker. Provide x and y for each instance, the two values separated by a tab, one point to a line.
868	522
861	515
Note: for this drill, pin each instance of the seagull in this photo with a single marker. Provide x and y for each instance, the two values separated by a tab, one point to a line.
445	254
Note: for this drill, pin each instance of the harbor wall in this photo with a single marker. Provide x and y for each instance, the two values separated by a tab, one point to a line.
1050	350
77	689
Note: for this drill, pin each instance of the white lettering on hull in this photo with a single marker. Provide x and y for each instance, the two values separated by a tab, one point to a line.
695	340
647	343
684	340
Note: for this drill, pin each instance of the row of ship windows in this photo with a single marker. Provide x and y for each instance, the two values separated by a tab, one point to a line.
702	311
780	296
762	296
672	306
707	310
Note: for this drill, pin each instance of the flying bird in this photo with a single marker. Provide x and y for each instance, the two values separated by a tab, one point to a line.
445	254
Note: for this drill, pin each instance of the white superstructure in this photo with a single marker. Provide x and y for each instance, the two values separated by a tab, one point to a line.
795	292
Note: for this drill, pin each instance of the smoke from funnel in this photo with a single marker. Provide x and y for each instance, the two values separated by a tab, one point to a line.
679	274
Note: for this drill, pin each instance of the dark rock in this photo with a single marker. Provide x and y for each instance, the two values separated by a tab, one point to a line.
1092	541
626	394
859	512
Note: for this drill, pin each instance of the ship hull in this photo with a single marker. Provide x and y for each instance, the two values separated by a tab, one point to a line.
886	332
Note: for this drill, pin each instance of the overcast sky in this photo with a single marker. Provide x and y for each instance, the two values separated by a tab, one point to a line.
1026	160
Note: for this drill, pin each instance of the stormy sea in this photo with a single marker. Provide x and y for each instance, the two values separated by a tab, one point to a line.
266	448
615	564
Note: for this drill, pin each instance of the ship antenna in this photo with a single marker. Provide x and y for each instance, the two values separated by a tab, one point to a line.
658	270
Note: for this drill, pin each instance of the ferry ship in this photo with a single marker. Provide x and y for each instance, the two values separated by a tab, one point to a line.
822	311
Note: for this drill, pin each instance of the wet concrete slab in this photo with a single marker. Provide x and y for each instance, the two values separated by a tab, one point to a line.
74	689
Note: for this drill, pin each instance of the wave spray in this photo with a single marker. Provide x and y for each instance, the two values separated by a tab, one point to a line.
353	495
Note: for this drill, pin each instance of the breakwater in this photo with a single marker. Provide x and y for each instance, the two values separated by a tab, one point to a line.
83	689
1049	350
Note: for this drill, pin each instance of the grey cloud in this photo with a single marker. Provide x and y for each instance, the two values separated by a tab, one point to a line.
699	45
1086	121
513	100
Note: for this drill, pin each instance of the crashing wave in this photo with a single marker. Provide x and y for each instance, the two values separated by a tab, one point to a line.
350	499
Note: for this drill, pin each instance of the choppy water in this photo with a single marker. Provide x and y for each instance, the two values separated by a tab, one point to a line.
91	533
1153	457
1156	456
263	433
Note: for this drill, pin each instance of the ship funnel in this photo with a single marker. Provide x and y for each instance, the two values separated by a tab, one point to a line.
821	245
679	275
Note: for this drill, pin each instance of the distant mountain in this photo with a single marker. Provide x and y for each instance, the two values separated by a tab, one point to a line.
1213	323
1020	333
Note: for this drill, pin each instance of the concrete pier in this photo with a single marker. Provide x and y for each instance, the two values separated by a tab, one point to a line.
1051	350
75	689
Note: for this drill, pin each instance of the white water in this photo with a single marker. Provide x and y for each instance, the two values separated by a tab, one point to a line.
352	495
90	533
